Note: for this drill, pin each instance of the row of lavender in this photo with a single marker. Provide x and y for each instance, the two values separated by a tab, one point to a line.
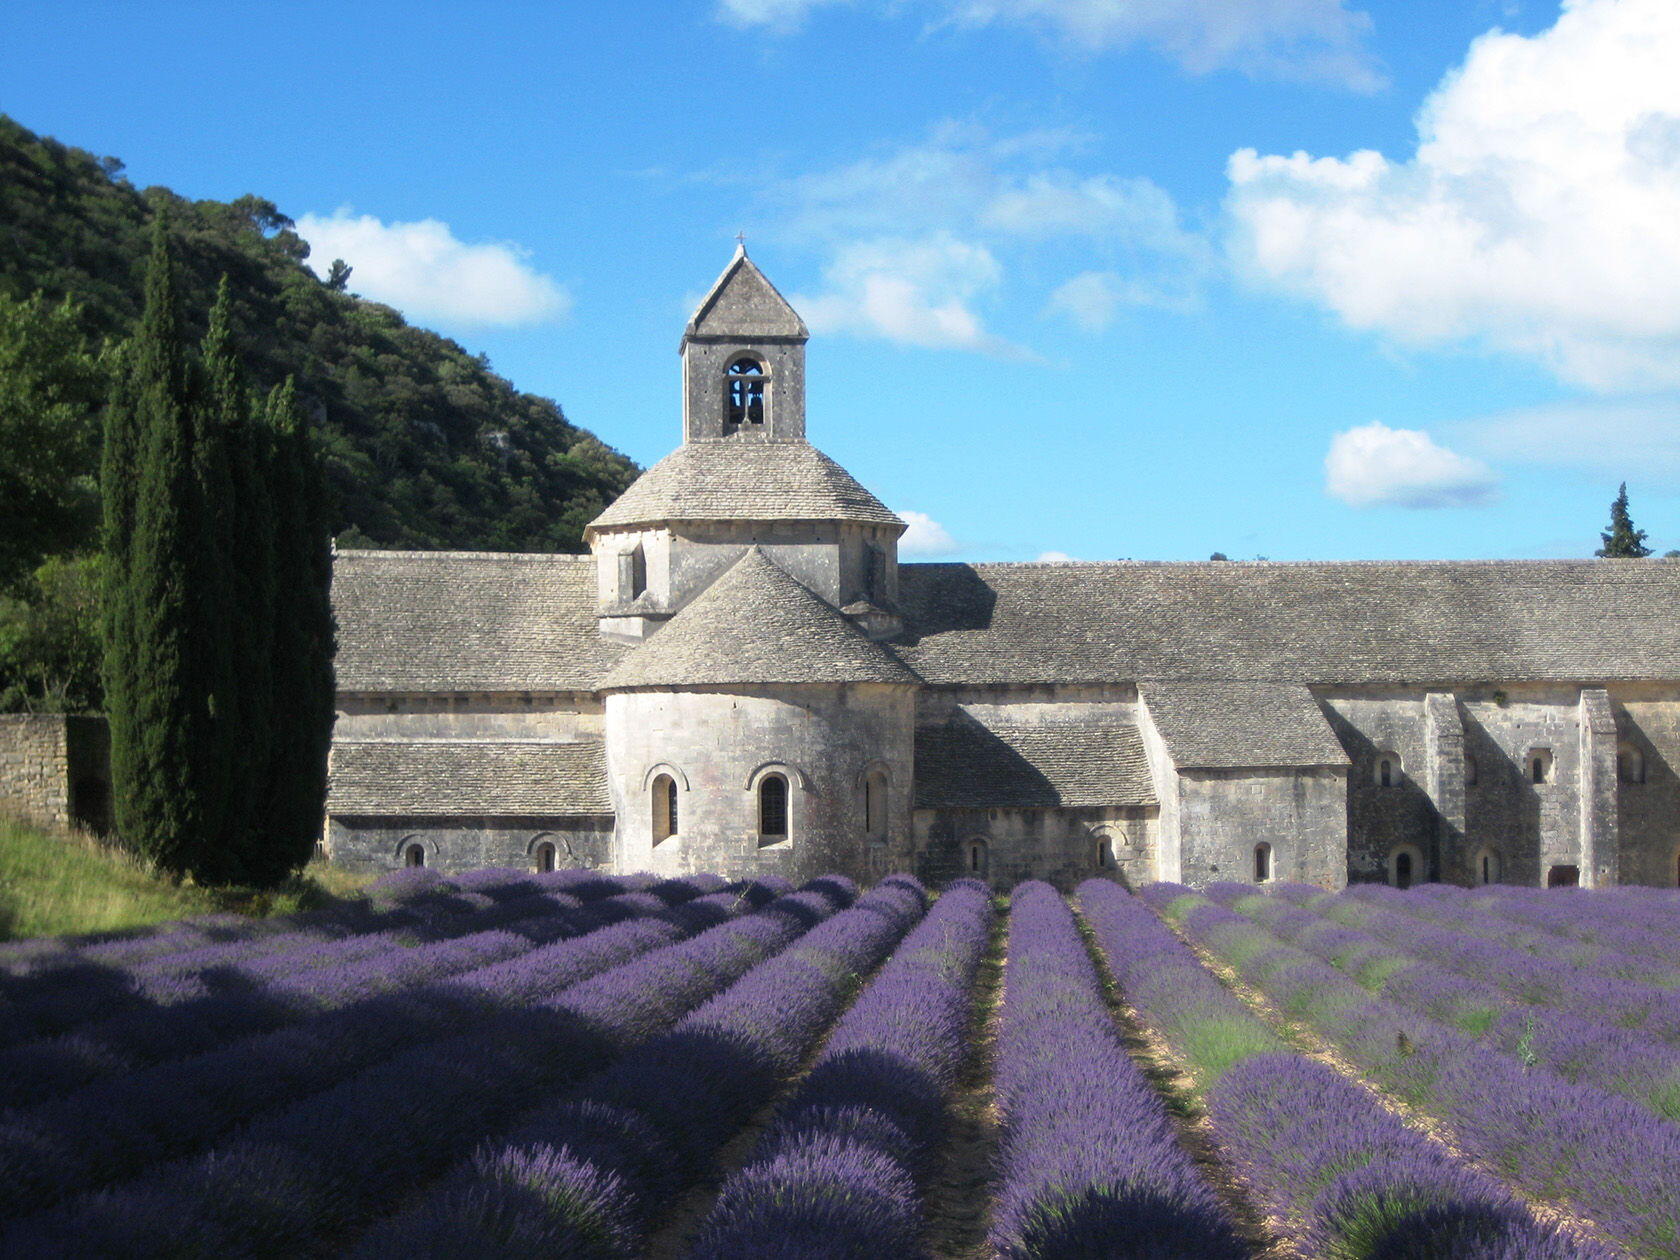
1590	1028
305	1176
125	1121
1571	1144
154	1013
1337	1171
48	992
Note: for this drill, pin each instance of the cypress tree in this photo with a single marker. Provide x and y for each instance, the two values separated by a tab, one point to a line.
235	595
1622	541
157	698
303	642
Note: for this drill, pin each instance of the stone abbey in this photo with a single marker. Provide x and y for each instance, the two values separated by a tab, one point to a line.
742	677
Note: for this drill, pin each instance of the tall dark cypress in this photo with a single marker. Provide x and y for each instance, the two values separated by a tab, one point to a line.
304	634
233	621
159	698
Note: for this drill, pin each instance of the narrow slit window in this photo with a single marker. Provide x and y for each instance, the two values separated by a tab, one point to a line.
977	857
1262	863
744	393
664	808
1540	765
773	808
875	805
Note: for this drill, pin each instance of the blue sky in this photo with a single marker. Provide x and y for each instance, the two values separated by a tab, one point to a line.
1099	278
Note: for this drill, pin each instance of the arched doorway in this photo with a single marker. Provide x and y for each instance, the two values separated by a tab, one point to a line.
414	854
1405	866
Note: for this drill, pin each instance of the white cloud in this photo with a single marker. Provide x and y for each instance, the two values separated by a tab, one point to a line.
1537	215
426	273
1053	557
917	292
916	236
925	537
779	15
1092	299
1304	40
1374	465
1617	439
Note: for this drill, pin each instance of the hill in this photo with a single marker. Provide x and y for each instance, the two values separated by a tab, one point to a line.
426	447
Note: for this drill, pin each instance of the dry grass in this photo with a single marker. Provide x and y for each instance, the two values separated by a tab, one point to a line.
68	883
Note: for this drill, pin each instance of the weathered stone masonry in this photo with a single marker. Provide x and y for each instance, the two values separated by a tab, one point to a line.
742	677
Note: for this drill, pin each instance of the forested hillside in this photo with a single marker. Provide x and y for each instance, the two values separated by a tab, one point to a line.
425	446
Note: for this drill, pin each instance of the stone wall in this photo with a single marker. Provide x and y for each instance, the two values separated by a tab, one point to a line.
465	844
55	771
717	745
1300	812
1063	846
563	716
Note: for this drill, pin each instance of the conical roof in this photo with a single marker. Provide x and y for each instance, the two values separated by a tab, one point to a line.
744	304
745	481
756	624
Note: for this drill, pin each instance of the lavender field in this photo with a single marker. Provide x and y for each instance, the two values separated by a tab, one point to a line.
578	1065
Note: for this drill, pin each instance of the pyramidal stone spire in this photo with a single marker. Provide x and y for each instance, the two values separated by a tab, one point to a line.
743	358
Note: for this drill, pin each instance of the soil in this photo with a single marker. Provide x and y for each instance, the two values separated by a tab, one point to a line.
957	1206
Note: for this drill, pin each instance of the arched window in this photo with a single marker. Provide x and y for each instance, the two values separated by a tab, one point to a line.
1105	852
772	809
1387	771
1405	866
545	856
1486	866
1540	765
744	393
414	855
1630	764
1262	863
978	858
664	792
1677	870
875	805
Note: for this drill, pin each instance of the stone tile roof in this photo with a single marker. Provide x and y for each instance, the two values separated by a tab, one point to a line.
1324	623
472	778
1230	724
743	303
745	479
421	621
968	765
756	624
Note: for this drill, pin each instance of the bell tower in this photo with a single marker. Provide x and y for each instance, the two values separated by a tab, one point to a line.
743	357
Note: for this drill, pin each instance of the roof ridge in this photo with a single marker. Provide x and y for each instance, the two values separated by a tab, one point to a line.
526	557
756	623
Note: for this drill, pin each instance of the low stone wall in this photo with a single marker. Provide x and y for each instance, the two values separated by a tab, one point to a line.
55	771
465	844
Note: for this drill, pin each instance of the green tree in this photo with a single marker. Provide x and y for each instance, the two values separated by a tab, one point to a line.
158	699
49	639
51	389
304	636
338	275
1622	541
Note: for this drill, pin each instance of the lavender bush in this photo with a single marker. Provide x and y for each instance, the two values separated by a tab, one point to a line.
1089	1162
589	1174
1552	1139
838	1172
423	1103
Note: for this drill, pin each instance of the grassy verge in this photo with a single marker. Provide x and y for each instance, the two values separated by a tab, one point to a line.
54	885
